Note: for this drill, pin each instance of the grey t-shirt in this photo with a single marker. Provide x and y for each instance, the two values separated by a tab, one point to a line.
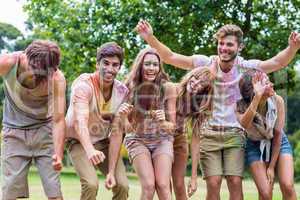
226	89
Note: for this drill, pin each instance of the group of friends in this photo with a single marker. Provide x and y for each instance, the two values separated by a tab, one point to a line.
228	102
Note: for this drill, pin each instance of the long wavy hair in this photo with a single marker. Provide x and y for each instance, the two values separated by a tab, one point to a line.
195	106
145	96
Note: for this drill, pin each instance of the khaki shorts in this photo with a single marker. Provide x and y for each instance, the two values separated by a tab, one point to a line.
222	152
137	147
19	148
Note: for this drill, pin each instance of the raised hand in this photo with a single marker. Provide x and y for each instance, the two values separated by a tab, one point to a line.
294	40
259	85
144	29
96	157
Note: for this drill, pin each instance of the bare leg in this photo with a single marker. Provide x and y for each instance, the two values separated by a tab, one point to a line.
258	170
162	167
178	170
235	187
144	169
213	186
285	172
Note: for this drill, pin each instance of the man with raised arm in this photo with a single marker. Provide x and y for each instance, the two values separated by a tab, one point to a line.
222	138
93	125
33	119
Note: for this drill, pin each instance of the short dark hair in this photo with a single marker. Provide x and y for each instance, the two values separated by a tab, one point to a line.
44	54
110	49
230	29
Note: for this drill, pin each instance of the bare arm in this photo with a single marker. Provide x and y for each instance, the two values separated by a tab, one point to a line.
81	115
59	124
259	88
7	61
276	144
145	31
115	139
247	117
195	154
170	95
283	58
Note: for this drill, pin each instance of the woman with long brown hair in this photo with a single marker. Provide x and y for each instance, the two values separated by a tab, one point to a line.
261	113
152	121
194	106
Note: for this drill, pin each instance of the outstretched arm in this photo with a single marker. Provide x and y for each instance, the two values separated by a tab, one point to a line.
283	58
168	56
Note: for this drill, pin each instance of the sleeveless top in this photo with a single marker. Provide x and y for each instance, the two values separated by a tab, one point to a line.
25	108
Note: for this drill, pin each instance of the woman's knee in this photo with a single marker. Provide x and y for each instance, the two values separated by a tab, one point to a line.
163	185
287	188
265	194
148	187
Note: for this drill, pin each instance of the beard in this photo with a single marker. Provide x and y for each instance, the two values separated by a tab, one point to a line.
231	58
103	73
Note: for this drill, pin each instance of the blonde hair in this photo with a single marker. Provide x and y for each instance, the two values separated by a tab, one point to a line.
197	106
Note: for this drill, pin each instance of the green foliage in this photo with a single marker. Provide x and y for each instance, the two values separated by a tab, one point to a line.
294	139
185	26
293	116
8	33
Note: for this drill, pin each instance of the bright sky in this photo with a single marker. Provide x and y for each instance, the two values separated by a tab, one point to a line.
11	12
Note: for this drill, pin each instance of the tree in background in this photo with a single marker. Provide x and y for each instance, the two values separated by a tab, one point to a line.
186	26
8	34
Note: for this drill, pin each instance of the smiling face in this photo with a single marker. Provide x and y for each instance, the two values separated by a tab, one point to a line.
228	48
197	84
109	68
150	67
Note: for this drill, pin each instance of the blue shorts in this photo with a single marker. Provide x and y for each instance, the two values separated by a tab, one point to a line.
253	152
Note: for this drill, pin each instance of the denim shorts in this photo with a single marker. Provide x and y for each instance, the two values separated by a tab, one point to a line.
253	152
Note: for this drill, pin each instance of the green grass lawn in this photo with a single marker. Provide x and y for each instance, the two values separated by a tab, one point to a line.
71	189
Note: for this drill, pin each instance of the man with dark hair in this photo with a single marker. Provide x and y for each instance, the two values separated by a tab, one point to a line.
93	126
222	142
34	109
